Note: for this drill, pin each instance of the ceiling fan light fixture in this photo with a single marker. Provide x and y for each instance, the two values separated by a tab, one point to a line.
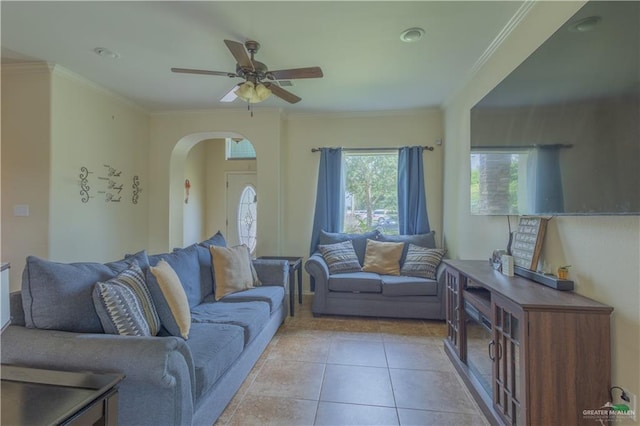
252	93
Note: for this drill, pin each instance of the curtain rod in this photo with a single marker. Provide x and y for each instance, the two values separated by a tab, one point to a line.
427	148
520	147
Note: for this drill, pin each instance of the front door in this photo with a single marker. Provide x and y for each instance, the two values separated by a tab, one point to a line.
242	202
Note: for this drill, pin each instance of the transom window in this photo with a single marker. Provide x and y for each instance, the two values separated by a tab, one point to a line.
239	149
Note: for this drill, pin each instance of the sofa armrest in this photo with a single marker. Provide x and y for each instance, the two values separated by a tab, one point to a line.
159	384
317	267
319	272
272	271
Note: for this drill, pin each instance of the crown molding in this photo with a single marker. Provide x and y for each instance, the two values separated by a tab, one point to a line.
27	68
513	23
360	114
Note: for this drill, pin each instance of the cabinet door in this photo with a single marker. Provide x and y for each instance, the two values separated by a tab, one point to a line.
506	352
453	296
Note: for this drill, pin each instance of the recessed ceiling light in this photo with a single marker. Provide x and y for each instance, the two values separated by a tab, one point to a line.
411	35
104	52
586	24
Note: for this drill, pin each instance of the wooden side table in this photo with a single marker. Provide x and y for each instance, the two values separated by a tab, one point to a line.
32	396
295	264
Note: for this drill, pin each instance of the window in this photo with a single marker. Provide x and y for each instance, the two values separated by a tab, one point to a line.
239	149
371	191
499	182
247	218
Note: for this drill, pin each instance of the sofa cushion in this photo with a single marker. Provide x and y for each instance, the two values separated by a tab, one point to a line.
273	295
340	257
363	282
232	269
58	296
170	299
216	240
186	264
251	316
115	309
422	262
214	348
359	240
119	310
383	258
422	240
408	286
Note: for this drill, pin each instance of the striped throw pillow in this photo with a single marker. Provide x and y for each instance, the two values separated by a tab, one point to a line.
340	257
119	310
133	278
422	262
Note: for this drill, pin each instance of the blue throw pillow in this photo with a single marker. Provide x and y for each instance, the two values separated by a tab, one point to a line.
186	264
58	296
216	240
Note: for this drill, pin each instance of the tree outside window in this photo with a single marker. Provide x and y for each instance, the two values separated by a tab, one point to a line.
371	192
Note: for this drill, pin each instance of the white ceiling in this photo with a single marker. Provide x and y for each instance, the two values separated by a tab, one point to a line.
366	66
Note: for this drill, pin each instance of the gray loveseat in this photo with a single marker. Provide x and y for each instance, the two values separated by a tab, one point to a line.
371	294
169	380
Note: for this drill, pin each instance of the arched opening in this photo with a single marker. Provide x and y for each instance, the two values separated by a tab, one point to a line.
199	194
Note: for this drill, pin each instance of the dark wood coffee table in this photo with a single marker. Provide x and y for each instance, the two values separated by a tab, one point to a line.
33	396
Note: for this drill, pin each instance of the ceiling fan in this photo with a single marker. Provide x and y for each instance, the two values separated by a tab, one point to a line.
259	82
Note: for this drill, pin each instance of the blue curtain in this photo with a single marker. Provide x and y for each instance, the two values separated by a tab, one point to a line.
545	180
412	199
329	196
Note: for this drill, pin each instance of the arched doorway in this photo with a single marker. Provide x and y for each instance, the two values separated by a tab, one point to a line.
198	195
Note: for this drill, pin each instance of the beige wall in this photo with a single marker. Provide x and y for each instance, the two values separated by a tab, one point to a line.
93	128
194	210
54	123
174	134
26	170
366	130
604	250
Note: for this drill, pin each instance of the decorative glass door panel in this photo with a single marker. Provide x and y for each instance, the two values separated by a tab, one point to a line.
453	300
504	350
247	217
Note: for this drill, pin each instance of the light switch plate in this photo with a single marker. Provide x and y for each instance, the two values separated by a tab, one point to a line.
21	210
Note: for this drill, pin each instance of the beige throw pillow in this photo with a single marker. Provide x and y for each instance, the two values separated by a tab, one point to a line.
174	295
232	269
383	258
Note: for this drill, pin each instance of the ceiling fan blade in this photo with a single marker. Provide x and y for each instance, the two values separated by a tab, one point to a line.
239	53
203	72
231	95
294	73
283	94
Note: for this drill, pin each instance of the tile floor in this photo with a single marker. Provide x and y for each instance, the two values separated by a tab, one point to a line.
353	371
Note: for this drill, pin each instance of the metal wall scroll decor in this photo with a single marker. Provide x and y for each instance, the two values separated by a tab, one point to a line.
84	185
136	189
110	184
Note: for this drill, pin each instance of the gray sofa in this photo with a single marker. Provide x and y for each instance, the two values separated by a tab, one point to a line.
169	380
371	294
